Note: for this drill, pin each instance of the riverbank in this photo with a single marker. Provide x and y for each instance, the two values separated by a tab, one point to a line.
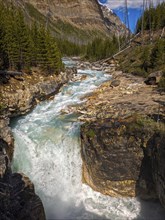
123	138
18	97
117	133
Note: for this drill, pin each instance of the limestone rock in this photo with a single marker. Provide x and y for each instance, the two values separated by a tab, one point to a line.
124	157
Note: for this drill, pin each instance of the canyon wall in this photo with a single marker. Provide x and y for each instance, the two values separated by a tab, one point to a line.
124	158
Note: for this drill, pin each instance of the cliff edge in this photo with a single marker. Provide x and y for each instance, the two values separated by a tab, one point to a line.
123	138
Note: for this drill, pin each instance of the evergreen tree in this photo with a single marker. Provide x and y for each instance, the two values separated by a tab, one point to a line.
102	48
158	53
53	55
22	47
3	56
153	18
145	58
24	43
10	43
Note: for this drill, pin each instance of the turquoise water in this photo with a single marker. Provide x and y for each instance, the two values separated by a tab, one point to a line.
48	151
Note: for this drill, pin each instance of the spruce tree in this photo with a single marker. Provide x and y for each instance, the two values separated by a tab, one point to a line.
10	45
158	53
22	47
54	63
24	43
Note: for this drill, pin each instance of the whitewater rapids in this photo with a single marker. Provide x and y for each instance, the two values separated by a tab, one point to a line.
47	149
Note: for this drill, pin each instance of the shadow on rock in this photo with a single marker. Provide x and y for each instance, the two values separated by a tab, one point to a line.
151	184
17	197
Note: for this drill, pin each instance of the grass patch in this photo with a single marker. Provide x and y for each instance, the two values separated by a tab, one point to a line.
91	133
140	123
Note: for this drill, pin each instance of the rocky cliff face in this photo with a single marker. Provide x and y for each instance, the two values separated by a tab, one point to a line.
20	96
82	13
6	136
113	23
124	158
123	138
156	153
17	197
75	20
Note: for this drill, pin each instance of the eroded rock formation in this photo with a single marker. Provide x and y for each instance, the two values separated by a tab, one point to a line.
17	197
6	136
84	13
19	97
124	157
123	138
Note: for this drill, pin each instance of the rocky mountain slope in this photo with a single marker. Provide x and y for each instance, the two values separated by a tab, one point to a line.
113	22
75	20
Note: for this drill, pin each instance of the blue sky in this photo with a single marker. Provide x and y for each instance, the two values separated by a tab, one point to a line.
134	9
134	14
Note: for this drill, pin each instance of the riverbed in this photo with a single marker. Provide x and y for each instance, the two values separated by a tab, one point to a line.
47	149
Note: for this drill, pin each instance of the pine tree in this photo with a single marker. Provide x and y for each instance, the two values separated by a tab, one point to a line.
10	40
154	18
4	62
158	53
145	58
54	63
34	44
24	43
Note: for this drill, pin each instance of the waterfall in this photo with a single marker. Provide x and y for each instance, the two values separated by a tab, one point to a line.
47	149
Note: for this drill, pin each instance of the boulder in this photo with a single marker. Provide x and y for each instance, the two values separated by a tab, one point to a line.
154	78
115	83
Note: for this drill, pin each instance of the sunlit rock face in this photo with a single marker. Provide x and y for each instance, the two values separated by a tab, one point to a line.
112	158
76	11
124	158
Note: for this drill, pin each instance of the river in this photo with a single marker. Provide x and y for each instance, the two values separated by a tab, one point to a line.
47	149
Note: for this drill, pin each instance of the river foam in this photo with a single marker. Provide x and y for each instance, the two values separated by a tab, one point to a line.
48	151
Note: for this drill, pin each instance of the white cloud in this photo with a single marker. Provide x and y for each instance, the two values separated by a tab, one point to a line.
131	3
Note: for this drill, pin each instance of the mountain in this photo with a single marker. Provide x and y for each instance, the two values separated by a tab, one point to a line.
74	20
113	22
